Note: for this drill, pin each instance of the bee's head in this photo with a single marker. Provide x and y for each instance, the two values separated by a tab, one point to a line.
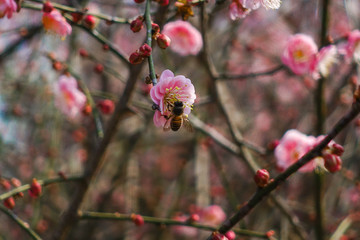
178	104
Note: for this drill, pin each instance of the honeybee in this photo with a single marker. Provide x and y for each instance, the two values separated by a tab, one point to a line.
177	118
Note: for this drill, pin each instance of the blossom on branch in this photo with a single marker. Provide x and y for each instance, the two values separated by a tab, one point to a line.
55	23
185	39
7	7
300	54
352	47
167	91
68	98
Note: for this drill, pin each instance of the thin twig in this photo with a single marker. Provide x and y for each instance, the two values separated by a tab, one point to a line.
149	41
224	76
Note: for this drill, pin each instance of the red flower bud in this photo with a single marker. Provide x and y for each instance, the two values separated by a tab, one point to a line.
5	184
136	58
332	162
87	110
83	53
218	236
273	144
145	50
9	203
137	24
155	30
99	68
77	17
163	41
89	21
47	7
262	177
35	188
139	1
230	235
163	2
106	47
194	217
58	66
137	219
15	182
106	106
270	233
337	149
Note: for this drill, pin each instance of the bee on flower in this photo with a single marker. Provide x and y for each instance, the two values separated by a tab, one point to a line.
174	96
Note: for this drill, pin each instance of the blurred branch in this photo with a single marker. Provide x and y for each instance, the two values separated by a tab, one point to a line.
314	152
32	31
163	221
224	76
24	225
110	19
44	182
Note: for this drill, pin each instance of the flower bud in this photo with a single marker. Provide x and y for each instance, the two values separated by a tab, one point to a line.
139	1
230	235
136	58
137	24
35	188
332	162
5	184
337	149
137	219
58	66
47	7
218	236
106	47
194	218
155	30
145	50
273	144
163	2
77	17
87	110
99	68
163	41
89	21
83	53
106	106
9	203
262	177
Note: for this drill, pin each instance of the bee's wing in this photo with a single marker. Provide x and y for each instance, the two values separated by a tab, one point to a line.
187	125
167	126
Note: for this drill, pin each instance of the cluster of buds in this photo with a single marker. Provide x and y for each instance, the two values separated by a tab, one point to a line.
331	155
262	178
137	219
139	55
162	40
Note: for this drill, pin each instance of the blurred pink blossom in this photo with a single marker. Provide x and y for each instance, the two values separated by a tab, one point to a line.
168	90
7	7
300	54
185	39
292	146
68	98
55	23
352	48
212	215
237	10
183	231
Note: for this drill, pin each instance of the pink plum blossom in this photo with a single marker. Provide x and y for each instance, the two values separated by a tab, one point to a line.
300	54
168	90
55	23
7	7
212	215
185	39
237	10
292	146
352	48
68	98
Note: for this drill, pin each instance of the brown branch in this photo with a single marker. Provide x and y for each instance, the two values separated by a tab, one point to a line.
316	151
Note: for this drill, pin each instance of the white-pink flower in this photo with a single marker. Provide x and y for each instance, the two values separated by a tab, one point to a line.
7	7
325	60
168	90
292	146
184	231
300	54
55	23
212	215
68	98
185	39
237	10
352	48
